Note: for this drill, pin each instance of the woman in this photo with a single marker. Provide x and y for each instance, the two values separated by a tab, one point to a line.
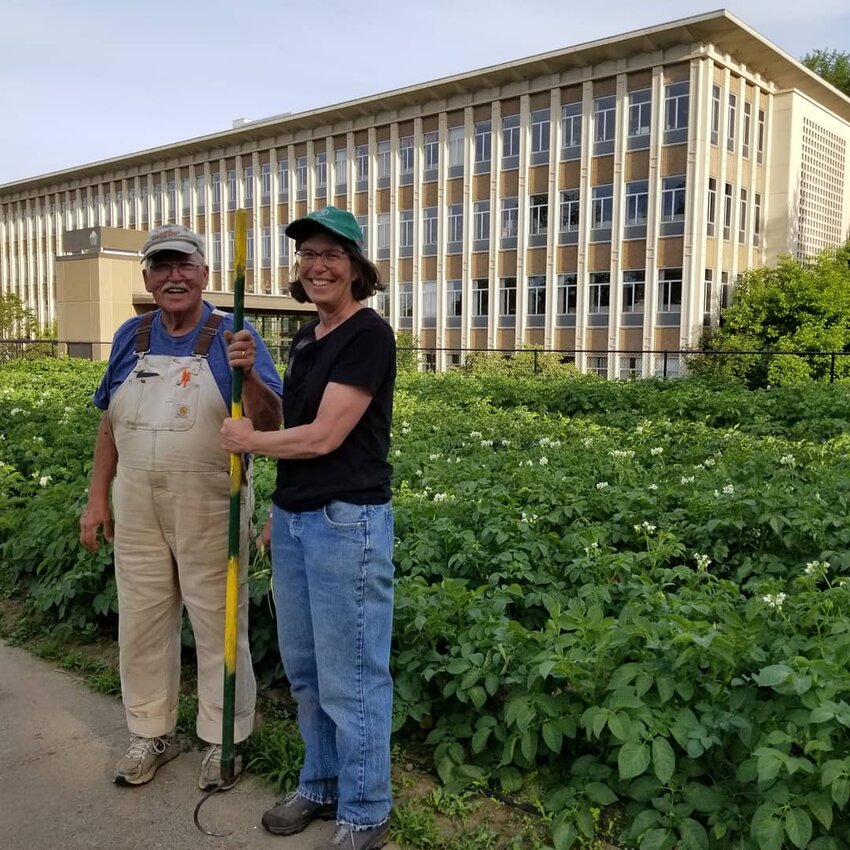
332	536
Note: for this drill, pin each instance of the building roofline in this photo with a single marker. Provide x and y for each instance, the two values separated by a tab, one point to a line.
726	32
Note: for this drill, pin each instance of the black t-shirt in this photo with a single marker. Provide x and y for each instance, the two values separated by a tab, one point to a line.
360	352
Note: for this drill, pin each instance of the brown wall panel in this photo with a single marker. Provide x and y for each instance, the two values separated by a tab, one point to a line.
567	260
570	177
536	261
540	100
599	257
677	73
631	339
506	265
454	266
429	268
634	254
430	123
603	88
535	336
405	198
538	179
405	269
510	107
480	265
670	252
565	339
429	194
666	339
454	191
382	200
674	160
602	170
637	165
481	187
639	80
510	183
482	112
597	339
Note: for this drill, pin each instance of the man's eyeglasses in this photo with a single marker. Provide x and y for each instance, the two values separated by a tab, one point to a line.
329	257
184	267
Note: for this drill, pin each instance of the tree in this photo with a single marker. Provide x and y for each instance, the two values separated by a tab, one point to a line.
16	320
798	305
833	66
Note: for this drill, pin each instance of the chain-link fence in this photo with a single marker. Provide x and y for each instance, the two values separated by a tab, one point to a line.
624	365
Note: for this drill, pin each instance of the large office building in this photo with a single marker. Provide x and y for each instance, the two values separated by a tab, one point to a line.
600	199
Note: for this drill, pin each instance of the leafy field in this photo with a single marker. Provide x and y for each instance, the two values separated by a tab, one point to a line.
627	601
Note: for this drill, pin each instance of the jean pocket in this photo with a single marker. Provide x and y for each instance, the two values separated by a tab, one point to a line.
344	513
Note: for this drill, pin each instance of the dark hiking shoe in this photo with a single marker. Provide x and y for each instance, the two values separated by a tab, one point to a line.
144	757
294	812
362	839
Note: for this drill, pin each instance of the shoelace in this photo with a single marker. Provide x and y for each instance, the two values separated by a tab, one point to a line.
140	746
343	837
214	755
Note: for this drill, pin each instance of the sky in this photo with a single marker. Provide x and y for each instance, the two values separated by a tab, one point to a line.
85	80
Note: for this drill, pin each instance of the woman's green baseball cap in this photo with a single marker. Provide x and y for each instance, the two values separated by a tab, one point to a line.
338	222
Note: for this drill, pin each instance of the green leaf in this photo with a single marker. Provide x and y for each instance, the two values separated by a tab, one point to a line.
564	835
457	666
798	826
841	791
775	674
767	830
769	764
552	736
509	778
599	792
620	726
663	759
694	836
633	759
655	839
820	805
704	799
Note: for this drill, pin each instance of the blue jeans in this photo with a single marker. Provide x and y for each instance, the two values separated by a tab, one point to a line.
333	586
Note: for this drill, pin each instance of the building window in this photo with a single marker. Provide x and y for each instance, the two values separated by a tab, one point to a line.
539	215
384	154
429	226
711	213
321	170
248	184
483	141
216	251
172	198
507	296
456	147
405	155
510	137
537	295
634	282
569	210
742	218
185	191
732	117
760	136
676	105
571	125
540	131
566	294
266	246
340	168
602	206
481	221
301	175
454	298
282	244
266	182
725	291
383	232
599	292
231	190
510	218
455	223
249	249
480	296
405	229
363	221
706	297
282	180
640	112
604	115
748	128
405	300
637	203
727	211
670	290
673	198
757	219
429	299
598	365
431	151
715	114
361	154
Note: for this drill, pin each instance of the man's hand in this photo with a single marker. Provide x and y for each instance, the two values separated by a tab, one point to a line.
241	350
237	436
96	516
264	538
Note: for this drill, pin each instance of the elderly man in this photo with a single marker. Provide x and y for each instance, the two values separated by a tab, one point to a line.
165	394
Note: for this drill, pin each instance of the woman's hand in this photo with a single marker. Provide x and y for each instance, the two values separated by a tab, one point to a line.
237	436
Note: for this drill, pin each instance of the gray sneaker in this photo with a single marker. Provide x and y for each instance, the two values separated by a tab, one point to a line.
294	812
363	839
144	757
211	770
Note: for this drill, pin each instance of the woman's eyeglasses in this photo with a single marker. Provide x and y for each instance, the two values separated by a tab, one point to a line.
329	257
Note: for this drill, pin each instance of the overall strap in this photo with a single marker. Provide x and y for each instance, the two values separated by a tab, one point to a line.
143	333
207	334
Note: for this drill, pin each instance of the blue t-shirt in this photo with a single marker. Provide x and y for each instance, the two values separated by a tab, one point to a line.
123	356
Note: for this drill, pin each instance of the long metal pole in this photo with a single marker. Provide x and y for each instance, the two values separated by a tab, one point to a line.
232	597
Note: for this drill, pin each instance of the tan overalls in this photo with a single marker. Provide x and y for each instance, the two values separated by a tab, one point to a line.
171	504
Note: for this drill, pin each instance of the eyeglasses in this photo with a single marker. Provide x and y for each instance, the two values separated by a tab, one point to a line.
185	268
329	257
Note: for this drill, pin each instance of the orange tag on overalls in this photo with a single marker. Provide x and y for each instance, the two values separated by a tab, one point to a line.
184	380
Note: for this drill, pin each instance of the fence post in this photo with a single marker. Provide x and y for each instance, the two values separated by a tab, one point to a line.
536	367
665	364
832	368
